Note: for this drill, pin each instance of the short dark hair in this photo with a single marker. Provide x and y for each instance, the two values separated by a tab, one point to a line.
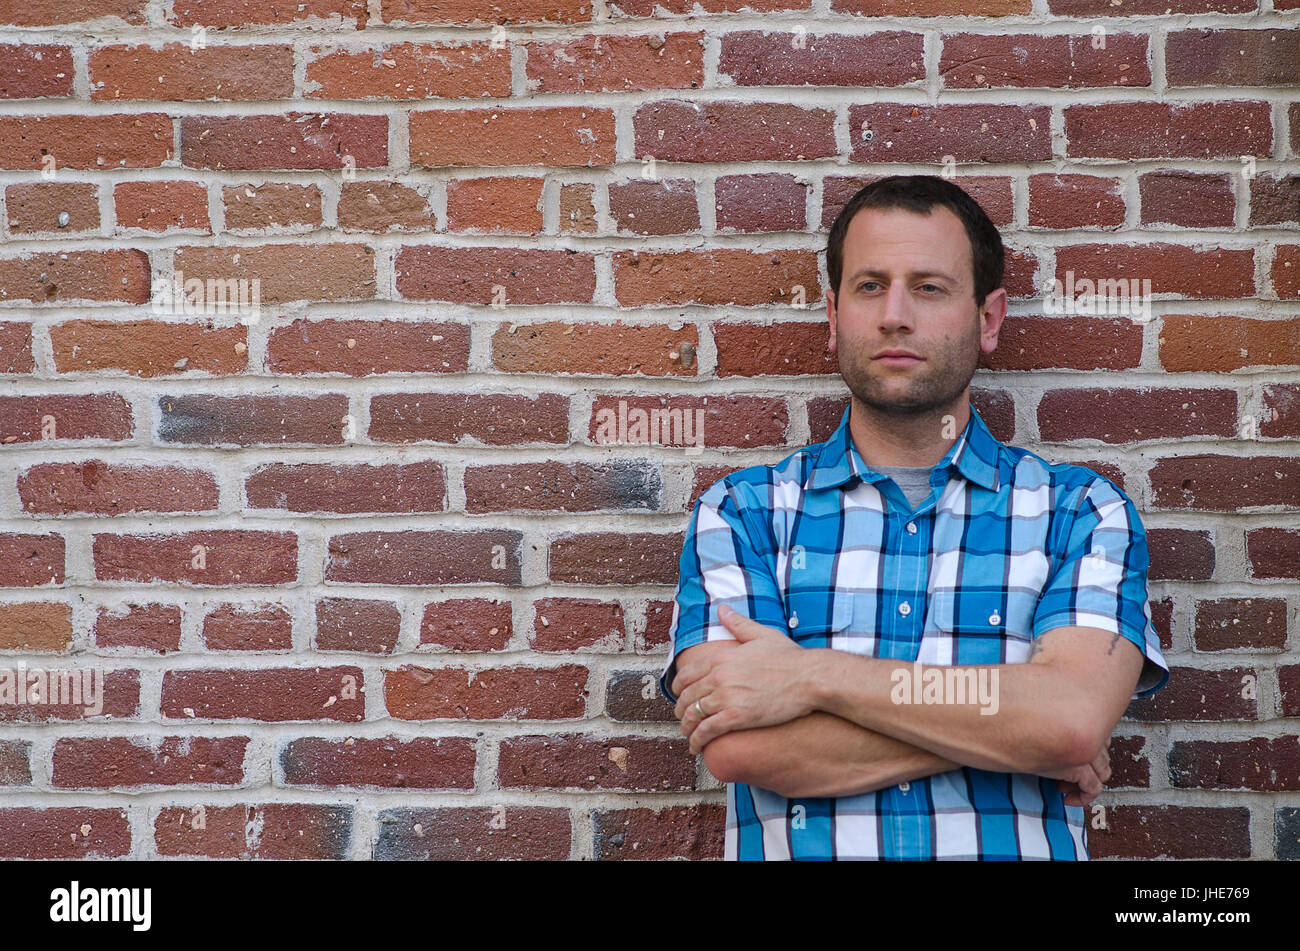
919	194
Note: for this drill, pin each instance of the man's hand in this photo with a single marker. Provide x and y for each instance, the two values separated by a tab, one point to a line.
1083	784
761	682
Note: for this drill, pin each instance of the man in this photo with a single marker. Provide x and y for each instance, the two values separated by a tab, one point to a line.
911	550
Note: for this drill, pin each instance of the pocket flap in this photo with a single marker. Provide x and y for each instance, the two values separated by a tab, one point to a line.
817	611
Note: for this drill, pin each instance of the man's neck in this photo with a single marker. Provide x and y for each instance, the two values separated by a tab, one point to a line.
906	440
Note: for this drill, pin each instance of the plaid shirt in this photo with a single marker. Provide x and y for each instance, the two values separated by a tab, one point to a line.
1006	547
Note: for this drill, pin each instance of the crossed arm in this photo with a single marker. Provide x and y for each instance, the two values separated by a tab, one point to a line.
819	722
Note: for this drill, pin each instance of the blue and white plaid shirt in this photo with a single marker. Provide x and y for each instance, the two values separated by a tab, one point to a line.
1006	547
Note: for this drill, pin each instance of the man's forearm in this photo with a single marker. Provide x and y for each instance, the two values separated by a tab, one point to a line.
1029	733
819	755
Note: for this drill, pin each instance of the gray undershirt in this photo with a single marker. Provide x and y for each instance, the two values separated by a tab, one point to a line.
913	480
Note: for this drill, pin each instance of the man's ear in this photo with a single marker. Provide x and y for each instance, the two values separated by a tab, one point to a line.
992	313
830	318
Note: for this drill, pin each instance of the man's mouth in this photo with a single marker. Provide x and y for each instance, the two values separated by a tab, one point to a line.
897	357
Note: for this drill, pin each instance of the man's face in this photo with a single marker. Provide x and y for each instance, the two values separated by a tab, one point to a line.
908	287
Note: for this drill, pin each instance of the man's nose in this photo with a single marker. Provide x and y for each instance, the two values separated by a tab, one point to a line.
897	312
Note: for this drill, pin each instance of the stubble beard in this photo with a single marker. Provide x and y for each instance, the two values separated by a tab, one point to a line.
933	386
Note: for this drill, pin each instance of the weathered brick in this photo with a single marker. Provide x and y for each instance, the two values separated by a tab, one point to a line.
969	132
271	831
730	421
495	205
1196	695
1171	268
492	419
116	762
633	695
32	71
612	63
279	206
148	627
384	206
303	140
1120	416
161	206
99	488
1232	58
1273	552
1187	199
35	207
16	347
348	489
1138	130
116	275
634	485
783	349
618	349
1172	832
1065	342
213	557
1225	483
481	275
1240	623
35	626
1223	342
1075	201
285	272
530	833
982	60
71	832
571	624
772	201
410	71
654	207
1281	410
1260	763
615	558
553	136
267	694
689	832
148	348
31	561
388	762
365	347
498	693
203	420
136	140
248	627
357	624
467	624
73	694
425	557
887	58
574	761
178	72
1180	554
679	131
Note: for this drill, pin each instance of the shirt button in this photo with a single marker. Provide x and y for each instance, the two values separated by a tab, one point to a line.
995	618
911	528
794	620
905	609
904	787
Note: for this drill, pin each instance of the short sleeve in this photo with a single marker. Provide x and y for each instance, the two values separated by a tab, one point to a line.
720	564
1101	579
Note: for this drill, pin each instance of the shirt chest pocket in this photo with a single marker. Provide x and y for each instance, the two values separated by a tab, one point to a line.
973	626
817	615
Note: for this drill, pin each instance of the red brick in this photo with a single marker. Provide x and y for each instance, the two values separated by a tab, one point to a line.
612	63
387	762
116	275
679	131
528	833
148	348
1240	623
1267	765
266	694
1225	483
34	208
1171	832
177	72
125	762
492	419
495	205
1187	199
98	142
1222	342
202	420
578	209
478	12
1180	554
425	557
35	626
633	696
1064	202
772	201
658	624
352	489
1138	130
149	627
72	832
1274	200
467	624
589	349
499	693
16	347
248	627
161	206
34	72
233	557
1281	410
785	348
647	764
722	276
690	832
554	136
1288	681
274	206
1199	695
304	140
970	132
993	192
104	416
63	488
1148	7
365	347
1129	765
1285	273
481	275
615	558
656	207
754	58
982	61
1232	58
633	485
384	206
1273	553
1121	416
1171	268
357	624
571	624
224	13
271	831
409	71
286	272
1066	342
30	561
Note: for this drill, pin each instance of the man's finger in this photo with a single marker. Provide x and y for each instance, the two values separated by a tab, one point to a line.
744	629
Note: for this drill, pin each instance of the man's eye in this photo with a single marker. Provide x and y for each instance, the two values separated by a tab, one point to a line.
864	284
933	287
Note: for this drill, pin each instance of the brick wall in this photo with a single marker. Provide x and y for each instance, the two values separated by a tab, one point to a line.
362	574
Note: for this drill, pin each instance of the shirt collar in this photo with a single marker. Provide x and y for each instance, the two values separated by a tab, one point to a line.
976	455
